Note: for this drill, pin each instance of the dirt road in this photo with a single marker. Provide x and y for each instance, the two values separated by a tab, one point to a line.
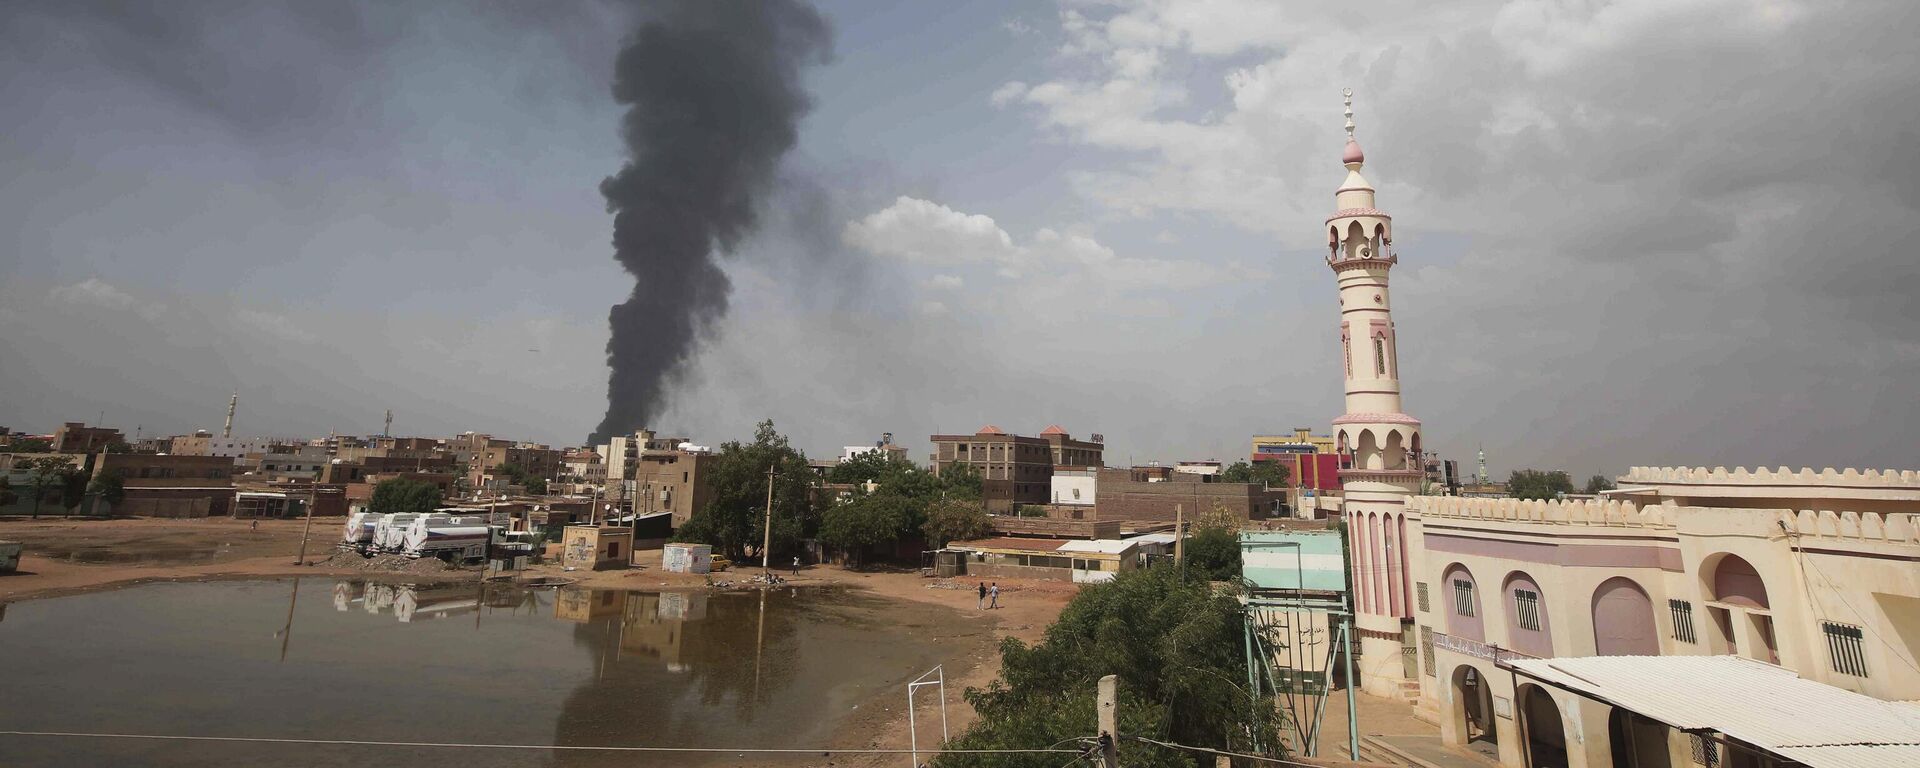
66	555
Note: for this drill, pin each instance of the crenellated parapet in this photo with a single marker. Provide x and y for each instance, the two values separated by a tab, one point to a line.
1870	527
1856	478
1552	512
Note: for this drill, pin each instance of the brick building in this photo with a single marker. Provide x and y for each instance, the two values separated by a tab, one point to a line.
1014	469
670	481
1125	496
77	437
162	485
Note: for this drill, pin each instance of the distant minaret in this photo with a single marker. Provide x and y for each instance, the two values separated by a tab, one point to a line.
387	431
1379	444
232	404
1483	466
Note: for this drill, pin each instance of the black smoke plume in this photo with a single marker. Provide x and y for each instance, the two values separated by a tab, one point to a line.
715	94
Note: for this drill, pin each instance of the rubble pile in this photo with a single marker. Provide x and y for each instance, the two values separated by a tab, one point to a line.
350	560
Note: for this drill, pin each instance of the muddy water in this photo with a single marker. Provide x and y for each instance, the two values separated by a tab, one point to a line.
456	664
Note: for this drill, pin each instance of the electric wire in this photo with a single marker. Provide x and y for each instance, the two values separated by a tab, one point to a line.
1262	758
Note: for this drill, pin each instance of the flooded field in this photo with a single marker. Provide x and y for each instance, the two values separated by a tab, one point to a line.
346	660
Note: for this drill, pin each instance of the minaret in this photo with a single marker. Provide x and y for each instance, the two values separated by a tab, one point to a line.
232	404
1378	442
1483	466
387	431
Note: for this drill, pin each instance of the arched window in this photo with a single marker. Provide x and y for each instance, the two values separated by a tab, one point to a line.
1623	620
1379	356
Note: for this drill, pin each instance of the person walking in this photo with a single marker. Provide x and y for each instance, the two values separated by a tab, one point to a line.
983	597
993	595
796	565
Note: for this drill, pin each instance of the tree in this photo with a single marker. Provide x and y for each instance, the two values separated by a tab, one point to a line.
1214	553
30	445
7	496
1598	483
734	517
1270	473
961	481
1176	644
868	521
523	477
44	472
73	489
109	487
405	496
861	467
1538	484
950	520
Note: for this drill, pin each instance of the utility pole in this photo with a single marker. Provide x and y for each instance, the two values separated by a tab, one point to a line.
303	534
766	540
1179	537
1108	706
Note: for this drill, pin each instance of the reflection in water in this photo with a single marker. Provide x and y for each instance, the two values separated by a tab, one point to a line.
576	666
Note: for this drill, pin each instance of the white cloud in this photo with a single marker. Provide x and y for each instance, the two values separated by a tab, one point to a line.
1007	94
925	232
94	292
944	282
272	324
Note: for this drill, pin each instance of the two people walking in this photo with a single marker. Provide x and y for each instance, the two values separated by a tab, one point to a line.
989	594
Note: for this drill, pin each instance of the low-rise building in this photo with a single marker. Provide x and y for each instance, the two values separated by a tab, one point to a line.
1014	469
1081	561
77	437
1812	572
165	485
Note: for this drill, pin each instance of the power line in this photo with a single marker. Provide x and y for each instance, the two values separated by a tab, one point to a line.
1261	758
582	748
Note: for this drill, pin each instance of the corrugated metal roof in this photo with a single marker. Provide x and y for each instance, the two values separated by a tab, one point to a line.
1152	538
1030	545
1102	546
1750	701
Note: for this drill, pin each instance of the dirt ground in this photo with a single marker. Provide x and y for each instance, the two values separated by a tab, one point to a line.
65	556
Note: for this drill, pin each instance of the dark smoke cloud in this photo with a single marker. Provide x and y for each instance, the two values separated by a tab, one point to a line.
716	95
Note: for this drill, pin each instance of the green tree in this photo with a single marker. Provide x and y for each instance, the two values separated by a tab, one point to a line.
961	481
109	487
1538	484
73	489
44	473
405	496
1271	473
950	520
861	468
1214	552
523	477
1599	483
7	496
30	445
734	517
868	521
1176	644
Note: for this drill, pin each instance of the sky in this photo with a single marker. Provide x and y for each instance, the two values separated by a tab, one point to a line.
1641	232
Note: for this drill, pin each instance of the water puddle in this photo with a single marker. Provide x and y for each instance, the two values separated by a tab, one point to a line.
468	663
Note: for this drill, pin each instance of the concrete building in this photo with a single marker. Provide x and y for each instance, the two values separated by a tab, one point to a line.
161	485
1079	561
1812	572
884	445
1015	469
1209	468
1303	440
648	474
204	443
77	437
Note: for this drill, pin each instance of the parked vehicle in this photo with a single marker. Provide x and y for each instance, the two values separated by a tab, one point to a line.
452	538
360	528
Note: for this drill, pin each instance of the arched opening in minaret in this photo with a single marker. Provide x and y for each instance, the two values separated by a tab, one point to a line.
1396	454
1369	453
1345	452
1357	242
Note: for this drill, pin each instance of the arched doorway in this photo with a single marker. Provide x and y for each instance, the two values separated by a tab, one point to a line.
1737	601
1473	707
1540	725
1463	604
1636	742
1623	620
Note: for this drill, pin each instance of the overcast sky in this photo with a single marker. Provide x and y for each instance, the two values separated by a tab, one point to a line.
1639	232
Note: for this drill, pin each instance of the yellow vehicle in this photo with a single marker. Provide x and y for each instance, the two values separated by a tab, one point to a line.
720	564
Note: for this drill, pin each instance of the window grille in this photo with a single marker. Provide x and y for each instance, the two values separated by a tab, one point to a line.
1844	648
1682	620
1426	648
1462	597
1526	606
1420	589
1379	357
1705	751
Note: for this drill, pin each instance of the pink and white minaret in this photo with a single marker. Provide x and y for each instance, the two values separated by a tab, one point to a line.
1379	443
